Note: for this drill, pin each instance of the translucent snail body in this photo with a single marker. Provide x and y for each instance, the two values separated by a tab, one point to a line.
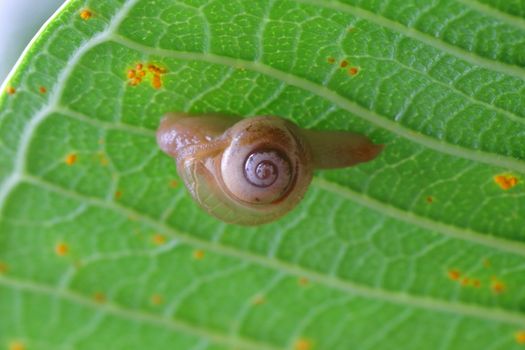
252	171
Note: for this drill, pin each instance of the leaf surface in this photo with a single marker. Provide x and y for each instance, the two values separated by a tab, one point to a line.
423	248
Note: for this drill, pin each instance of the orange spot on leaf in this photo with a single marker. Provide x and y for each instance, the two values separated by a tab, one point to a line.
118	194
3	268
10	90
174	184
156	299
258	300
430	199
198	254
303	281
505	182
42	89
156	82
156	69
330	60
520	337
86	14
303	344
135	81
343	63
353	70
498	287
454	275
99	297
476	283
16	345
465	281
71	159
61	249
158	239
137	75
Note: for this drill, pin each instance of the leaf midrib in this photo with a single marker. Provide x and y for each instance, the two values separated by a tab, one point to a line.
372	117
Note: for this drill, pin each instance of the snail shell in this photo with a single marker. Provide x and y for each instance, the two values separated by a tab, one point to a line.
252	171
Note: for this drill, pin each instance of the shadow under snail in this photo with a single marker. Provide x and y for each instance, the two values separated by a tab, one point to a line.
252	171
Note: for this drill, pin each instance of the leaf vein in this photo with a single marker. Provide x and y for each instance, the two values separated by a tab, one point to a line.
350	106
417	301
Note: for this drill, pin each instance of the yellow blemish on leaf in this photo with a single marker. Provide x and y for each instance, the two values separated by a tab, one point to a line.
10	90
158	239
454	275
156	299
156	82
71	159
303	344
157	72
465	281
102	159
86	14
3	268
135	75
198	254
258	300
506	182
154	72
353	70
99	297
135	81
330	60
498	286
303	281
16	345
520	337
61	249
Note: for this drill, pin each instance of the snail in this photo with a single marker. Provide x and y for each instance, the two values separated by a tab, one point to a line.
254	170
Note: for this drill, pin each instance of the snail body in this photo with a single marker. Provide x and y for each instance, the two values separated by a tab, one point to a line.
252	171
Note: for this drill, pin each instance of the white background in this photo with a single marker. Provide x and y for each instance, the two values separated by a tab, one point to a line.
19	22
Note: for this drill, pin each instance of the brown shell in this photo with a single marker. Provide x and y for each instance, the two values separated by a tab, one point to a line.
212	154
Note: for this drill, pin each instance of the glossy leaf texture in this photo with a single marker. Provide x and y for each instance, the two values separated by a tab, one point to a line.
423	248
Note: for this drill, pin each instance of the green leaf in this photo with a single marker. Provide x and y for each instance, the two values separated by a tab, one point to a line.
424	248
